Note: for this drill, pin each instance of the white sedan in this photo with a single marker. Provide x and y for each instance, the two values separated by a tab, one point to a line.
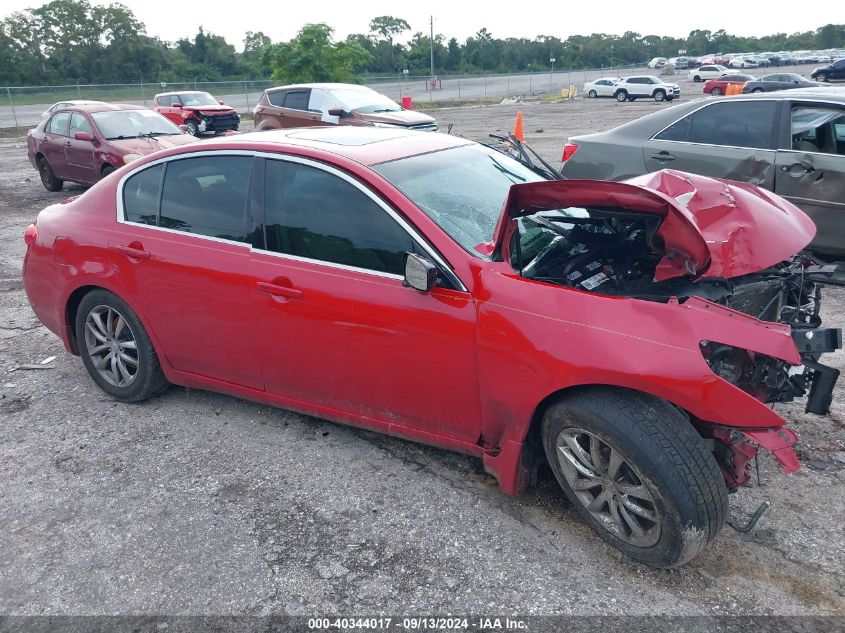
600	87
713	71
66	104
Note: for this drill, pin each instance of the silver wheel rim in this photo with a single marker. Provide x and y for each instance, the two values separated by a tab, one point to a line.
609	487
111	346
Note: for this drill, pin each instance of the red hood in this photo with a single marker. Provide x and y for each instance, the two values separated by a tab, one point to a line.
711	228
216	109
147	145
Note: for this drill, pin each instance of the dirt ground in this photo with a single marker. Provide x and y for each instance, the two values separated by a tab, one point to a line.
197	503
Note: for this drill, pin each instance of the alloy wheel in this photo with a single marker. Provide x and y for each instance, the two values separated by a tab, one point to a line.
111	346
609	487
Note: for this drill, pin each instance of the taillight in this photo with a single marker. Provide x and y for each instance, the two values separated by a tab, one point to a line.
568	150
30	236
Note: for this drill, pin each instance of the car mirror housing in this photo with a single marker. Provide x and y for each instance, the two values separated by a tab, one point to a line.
220	101
420	274
336	112
175	104
83	136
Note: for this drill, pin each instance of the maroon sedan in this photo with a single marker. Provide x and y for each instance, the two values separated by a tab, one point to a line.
428	287
84	143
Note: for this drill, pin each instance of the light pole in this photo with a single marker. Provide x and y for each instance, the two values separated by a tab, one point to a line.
611	55
552	73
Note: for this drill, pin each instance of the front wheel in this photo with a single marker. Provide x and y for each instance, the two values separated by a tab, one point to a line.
823	78
621	96
697	78
637	472
193	128
659	95
115	348
592	94
716	92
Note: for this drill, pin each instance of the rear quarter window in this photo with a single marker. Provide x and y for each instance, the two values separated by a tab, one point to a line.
276	98
141	196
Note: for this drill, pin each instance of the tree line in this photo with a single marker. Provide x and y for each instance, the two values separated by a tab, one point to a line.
72	41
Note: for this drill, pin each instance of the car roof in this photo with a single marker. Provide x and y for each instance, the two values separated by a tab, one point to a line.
323	86
366	145
101	106
179	92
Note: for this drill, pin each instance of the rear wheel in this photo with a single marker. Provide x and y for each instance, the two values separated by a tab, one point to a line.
621	96
592	94
48	178
716	92
115	348
637	472
659	95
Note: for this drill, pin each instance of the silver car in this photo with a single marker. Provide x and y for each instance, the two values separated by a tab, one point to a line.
790	142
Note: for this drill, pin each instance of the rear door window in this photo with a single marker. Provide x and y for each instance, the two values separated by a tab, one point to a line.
59	123
736	124
297	99
207	196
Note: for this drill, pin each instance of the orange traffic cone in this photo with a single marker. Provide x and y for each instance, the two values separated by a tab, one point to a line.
517	129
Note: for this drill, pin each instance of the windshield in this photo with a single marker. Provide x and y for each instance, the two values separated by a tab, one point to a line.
197	99
364	100
462	189
118	124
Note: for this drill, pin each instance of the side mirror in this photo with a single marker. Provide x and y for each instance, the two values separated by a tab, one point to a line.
220	101
420	274
336	112
83	136
175	104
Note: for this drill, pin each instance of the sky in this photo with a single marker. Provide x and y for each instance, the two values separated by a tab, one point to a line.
281	19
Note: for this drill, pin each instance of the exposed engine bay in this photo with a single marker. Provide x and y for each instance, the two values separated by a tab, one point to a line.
615	252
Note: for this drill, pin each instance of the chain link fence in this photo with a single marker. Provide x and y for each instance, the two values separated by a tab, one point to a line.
24	105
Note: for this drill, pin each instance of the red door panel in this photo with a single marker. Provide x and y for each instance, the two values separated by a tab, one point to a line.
199	297
363	343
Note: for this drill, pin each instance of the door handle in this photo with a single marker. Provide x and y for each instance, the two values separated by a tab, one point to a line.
663	156
797	169
279	291
134	253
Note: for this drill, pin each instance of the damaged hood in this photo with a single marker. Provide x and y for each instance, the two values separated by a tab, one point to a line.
710	227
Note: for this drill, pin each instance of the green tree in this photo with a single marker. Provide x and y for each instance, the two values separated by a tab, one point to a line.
389	27
312	56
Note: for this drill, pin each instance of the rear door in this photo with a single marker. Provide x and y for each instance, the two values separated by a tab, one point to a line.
732	139
79	155
182	250
166	109
295	112
811	168
53	145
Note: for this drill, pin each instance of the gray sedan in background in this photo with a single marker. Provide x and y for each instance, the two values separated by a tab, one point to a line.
790	142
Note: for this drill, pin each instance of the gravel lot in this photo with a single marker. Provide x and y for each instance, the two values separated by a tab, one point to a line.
197	503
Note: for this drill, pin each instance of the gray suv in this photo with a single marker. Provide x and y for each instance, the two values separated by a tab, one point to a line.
790	142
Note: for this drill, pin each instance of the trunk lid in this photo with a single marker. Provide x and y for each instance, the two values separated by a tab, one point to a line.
710	227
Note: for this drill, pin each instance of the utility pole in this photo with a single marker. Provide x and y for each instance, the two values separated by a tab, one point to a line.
431	23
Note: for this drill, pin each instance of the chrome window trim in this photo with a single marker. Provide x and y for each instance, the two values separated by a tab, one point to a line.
414	234
800	151
737	99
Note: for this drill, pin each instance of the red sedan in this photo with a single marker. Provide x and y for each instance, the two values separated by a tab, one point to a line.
428	287
84	143
719	86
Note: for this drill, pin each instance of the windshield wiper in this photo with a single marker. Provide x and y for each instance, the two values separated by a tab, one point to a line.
119	138
152	134
386	110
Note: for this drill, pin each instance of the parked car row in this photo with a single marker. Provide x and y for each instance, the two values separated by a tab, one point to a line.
632	88
749	60
83	141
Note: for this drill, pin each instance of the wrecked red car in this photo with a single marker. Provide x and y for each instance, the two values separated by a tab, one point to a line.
630	335
198	111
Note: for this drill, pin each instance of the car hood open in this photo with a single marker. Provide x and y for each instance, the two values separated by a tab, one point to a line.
710	227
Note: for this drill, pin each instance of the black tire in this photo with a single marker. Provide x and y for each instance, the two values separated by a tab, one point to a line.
48	178
621	96
756	90
696	79
658	452
823	78
659	95
148	378
592	94
193	127
107	169
716	92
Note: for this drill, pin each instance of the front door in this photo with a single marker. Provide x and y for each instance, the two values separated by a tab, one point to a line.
79	155
340	329
187	264
811	170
